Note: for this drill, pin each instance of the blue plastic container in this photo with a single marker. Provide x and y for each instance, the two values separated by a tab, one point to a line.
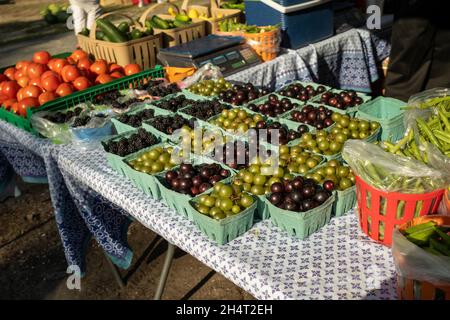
302	21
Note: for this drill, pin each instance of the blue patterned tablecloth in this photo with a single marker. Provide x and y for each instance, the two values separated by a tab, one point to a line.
347	60
338	262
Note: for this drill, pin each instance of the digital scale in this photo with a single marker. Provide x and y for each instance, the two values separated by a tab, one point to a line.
231	54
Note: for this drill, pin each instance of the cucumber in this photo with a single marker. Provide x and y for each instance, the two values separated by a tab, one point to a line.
136	34
160	23
123	27
111	32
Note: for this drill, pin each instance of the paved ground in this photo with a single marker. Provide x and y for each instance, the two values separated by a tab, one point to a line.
32	263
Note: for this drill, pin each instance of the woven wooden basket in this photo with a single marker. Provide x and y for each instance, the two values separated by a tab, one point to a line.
212	25
175	36
141	51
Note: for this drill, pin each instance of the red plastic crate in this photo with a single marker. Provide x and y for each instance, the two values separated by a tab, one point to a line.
371	215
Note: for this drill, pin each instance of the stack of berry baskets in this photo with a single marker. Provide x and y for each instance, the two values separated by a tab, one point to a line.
124	144
190	178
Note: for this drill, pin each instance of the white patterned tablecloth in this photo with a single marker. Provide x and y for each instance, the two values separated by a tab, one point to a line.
338	262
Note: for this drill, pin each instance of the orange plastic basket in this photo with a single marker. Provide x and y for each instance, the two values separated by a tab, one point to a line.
266	44
380	211
412	289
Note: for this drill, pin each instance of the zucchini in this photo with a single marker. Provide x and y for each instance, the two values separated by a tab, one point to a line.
111	32
160	23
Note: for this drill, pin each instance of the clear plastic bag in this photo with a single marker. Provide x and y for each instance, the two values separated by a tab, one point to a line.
84	127
423	106
391	172
206	72
413	262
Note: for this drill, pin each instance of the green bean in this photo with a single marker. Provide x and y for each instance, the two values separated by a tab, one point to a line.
427	132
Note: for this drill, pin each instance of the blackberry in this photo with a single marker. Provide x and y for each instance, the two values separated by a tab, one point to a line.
81	121
205	109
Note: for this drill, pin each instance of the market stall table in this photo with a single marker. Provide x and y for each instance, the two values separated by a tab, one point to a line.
337	262
346	60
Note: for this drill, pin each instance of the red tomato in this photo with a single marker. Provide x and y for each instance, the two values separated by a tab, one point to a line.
10	73
64	89
117	74
36	70
46	97
104	78
50	83
22	64
25	104
10	89
19	74
81	83
115	67
3	78
59	64
132	69
70	73
84	63
78	54
15	107
20	94
23	81
99	67
51	64
42	57
35	82
9	103
50	73
32	92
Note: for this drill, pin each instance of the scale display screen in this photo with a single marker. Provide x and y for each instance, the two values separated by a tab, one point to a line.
230	60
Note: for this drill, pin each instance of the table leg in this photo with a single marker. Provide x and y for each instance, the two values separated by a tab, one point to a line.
115	272
165	271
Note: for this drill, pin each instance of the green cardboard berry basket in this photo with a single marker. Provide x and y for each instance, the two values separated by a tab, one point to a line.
350	111
388	112
266	98
302	224
178	201
203	123
183	92
305	83
227	229
115	161
144	181
123	127
345	199
239	135
262	209
194	96
75	98
163	136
